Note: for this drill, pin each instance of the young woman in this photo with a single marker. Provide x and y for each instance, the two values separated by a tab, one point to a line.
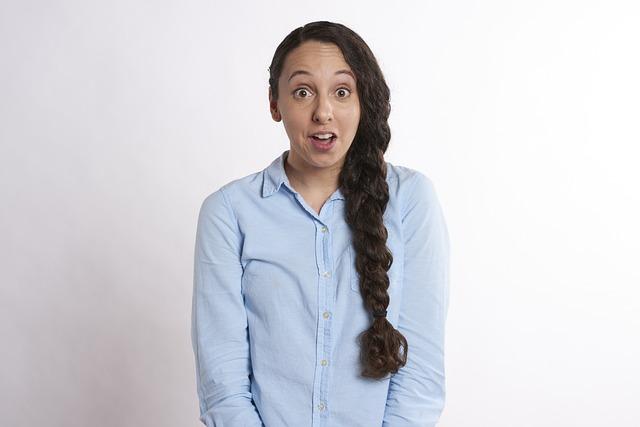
321	282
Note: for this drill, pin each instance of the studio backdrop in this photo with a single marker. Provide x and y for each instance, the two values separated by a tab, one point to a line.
118	118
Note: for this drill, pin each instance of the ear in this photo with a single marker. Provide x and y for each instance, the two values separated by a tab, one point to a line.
273	107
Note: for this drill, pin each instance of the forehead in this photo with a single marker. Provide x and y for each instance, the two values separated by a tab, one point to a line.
316	59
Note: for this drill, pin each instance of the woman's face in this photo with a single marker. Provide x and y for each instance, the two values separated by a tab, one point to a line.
317	92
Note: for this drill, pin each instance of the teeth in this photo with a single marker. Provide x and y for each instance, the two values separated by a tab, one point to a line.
323	136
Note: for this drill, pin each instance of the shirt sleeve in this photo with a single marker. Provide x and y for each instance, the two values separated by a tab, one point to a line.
219	332
416	394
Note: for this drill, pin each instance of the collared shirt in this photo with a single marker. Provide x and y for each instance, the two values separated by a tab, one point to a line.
277	307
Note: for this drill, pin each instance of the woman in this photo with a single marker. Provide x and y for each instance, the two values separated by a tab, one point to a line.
321	282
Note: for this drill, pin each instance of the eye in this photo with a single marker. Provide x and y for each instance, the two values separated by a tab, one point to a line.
302	89
342	89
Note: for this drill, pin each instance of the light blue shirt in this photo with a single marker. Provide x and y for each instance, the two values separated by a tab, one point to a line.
277	307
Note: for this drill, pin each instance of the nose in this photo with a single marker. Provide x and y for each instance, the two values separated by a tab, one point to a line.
323	111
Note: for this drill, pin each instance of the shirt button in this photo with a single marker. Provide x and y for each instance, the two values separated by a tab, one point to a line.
323	229
321	406
324	362
326	314
326	274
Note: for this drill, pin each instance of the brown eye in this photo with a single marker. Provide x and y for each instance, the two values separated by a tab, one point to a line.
343	89
300	90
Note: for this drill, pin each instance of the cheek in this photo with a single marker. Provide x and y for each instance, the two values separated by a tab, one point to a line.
354	122
296	122
354	112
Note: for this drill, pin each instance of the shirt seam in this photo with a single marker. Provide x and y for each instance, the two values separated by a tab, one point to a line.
229	206
410	189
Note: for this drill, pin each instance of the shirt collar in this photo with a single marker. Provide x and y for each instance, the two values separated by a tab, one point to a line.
274	176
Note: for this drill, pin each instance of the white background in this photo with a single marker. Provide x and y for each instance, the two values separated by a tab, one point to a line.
117	118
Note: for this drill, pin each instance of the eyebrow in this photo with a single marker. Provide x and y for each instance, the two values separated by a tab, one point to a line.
295	73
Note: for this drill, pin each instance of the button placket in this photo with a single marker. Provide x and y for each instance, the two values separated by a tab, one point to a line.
326	293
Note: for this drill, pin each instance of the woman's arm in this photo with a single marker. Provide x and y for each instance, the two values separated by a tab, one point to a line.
219	320
417	391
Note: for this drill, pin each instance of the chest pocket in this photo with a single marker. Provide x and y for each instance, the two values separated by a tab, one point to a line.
354	279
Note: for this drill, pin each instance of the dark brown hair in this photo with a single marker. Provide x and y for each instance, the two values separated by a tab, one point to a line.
383	349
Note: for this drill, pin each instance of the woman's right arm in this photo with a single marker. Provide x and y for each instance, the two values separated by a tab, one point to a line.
219	332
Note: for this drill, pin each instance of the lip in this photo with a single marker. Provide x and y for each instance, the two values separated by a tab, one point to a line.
323	131
322	147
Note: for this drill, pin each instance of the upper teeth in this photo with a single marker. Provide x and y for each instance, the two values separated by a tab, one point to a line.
323	136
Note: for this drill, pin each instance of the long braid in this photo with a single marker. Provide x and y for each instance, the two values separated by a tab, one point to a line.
383	348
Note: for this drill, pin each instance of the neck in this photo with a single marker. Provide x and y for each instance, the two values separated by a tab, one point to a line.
310	179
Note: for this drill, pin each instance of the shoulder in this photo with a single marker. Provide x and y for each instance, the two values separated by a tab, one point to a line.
236	187
414	190
228	193
404	179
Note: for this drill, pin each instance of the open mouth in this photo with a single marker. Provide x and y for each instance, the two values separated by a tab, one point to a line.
323	144
324	140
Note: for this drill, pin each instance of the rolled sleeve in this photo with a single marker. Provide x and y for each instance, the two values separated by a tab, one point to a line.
416	395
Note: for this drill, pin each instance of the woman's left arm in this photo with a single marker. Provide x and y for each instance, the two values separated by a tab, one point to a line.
416	394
